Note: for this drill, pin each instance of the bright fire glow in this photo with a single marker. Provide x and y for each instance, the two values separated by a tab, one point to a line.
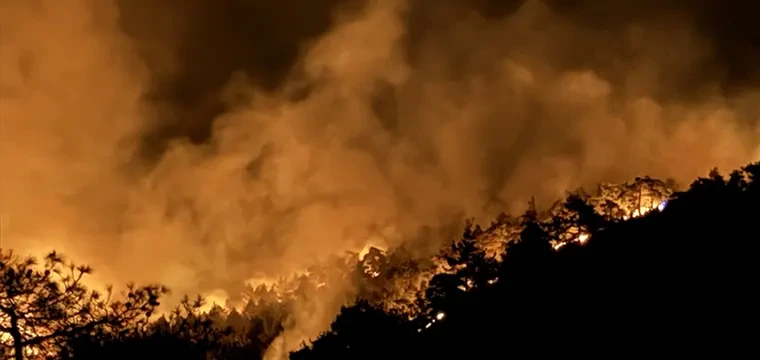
581	239
646	209
366	249
217	298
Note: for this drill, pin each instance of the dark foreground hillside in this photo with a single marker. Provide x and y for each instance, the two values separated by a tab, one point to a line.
584	279
679	282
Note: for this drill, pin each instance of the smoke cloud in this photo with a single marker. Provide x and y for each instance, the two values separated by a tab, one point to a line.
380	122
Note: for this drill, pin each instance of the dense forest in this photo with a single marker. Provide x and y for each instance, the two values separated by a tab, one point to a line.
630	269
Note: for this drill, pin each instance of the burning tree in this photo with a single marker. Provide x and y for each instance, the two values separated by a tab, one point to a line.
634	199
44	306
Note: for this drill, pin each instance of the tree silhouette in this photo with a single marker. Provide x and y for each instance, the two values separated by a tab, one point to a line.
470	269
534	238
361	331
44	306
184	333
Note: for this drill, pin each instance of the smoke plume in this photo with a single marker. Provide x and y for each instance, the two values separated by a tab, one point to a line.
156	152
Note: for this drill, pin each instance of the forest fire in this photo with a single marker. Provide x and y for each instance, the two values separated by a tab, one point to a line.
371	258
248	139
581	239
402	293
401	285
438	317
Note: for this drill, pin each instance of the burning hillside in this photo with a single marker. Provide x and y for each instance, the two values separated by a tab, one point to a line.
396	280
225	147
392	280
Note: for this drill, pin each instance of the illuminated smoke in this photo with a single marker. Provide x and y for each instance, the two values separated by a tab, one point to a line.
380	134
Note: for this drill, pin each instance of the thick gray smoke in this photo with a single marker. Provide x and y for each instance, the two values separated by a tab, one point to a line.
382	119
